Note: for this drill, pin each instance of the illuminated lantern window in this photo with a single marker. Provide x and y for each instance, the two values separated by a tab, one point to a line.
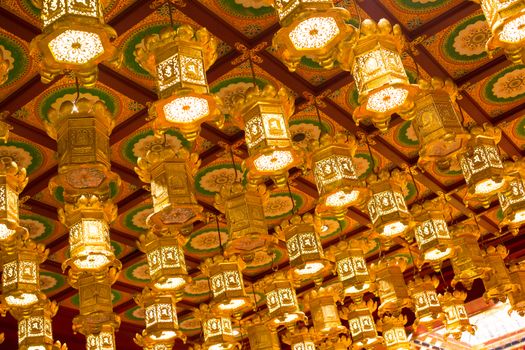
74	38
394	334
498	284
323	308
335	174
391	287
281	301
20	277
160	315
431	231
226	283
89	243
457	320
387	207
381	81
178	60
34	329
243	207
517	297
438	123
171	173
512	202
310	28
260	336
264	114
361	323
425	299
351	268
12	181
482	166
506	19
105	340
218	330
304	247
467	263
167	267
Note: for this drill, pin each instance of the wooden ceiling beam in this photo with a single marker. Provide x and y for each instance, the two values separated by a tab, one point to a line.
124	85
491	67
40	183
130	16
17	26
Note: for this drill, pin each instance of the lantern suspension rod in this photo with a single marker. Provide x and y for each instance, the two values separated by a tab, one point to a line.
291	197
413	262
374	170
170	9
75	108
446	285
321	126
419	199
219	233
233	163
252	70
359	19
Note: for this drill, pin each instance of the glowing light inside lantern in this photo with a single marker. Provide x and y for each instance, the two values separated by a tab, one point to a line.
386	99
186	109
75	46
314	33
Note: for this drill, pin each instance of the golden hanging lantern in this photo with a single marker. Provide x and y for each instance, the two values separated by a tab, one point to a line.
513	202
335	176
167	266
147	343
88	220
300	338
362	326
482	166
342	342
260	336
467	263
351	268
82	130
21	277
425	299
322	303
103	340
431	231
505	20
34	327
438	124
517	297
391	287
227	285
243	207
387	207
263	114
281	300
217	330
498	284
394	334
74	39
12	181
171	173
310	29
160	315
456	316
178	60
307	260
379	74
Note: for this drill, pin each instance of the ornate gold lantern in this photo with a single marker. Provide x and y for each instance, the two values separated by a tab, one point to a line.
342	342
457	320
323	309
74	39
394	334
260	336
391	287
20	277
160	315
171	173
103	340
89	244
498	284
517	298
513	202
264	114
438	123
167	266
425	299
243	207
431	231
281	301
82	130
310	28
505	19
351	269
300	339
227	286
12	181
387	207
335	175
178	60
307	260
467	263
482	166
381	80
361	323
34	328
217	330
147	343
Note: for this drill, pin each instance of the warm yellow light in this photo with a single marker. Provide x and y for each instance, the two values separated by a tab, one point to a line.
22	300
101	341
76	47
186	109
342	198
387	99
314	33
172	283
5	232
394	229
90	244
232	304
436	254
513	31
310	268
488	186
275	161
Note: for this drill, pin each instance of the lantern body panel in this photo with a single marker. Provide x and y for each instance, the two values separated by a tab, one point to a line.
352	271
167	266
433	238
513	204
498	284
392	289
262	338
